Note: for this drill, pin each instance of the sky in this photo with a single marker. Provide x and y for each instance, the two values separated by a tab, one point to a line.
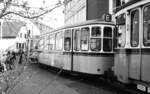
55	18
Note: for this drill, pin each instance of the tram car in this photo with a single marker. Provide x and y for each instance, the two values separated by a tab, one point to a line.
132	57
85	47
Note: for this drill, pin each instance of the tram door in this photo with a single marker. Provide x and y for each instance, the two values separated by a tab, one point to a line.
67	57
75	47
134	54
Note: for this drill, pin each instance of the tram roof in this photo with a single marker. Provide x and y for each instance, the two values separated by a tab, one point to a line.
89	22
130	5
127	4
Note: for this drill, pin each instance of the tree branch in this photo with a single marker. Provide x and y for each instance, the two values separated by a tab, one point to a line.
26	13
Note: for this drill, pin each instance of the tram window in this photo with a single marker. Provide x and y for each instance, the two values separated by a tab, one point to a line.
52	43
107	44
46	43
95	44
77	39
135	28
146	25
115	44
67	40
96	31
41	44
84	38
107	32
59	41
107	40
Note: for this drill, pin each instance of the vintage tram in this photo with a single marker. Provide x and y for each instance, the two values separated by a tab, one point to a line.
85	47
132	57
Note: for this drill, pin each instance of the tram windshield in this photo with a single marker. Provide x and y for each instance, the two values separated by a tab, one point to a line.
107	40
85	38
146	26
95	43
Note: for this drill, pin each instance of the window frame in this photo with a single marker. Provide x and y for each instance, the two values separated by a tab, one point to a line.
59	41
108	38
52	42
138	44
76	41
145	46
70	47
95	37
87	39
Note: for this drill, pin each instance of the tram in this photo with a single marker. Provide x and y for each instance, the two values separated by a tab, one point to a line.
85	47
132	57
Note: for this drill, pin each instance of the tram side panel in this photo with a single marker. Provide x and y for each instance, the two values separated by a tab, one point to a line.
66	60
92	64
121	66
145	67
56	59
134	65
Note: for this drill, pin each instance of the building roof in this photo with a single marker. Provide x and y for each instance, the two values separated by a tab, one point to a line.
10	29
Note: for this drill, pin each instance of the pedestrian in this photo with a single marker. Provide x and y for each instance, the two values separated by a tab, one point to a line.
20	55
12	60
1	67
7	60
3	61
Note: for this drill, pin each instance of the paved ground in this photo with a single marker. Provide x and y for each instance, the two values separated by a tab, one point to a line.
35	80
32	79
8	77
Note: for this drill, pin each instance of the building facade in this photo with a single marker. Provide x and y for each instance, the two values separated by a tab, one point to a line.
81	10
14	34
117	3
42	27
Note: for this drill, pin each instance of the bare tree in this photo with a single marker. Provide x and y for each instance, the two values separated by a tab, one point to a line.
22	8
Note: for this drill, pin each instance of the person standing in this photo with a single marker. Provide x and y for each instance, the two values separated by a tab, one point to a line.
20	55
7	62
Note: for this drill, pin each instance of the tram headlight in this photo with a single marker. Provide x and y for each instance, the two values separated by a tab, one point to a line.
121	41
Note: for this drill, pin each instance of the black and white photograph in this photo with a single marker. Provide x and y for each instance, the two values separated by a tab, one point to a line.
74	46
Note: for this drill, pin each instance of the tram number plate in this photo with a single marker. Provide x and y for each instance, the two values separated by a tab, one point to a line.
141	87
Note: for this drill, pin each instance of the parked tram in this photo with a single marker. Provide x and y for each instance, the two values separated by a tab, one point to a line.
86	47
132	58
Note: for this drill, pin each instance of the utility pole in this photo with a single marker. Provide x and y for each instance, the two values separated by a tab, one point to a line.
1	30
28	45
1	37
